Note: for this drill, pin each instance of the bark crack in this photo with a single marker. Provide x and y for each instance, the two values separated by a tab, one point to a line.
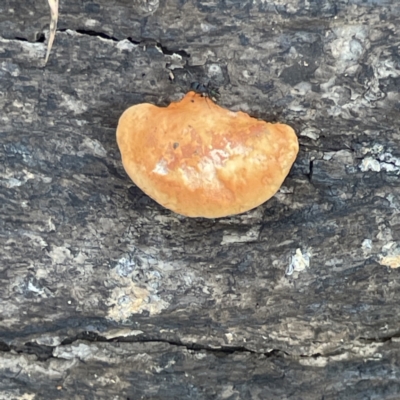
44	353
142	42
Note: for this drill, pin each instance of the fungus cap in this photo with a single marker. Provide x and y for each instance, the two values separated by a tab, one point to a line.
201	160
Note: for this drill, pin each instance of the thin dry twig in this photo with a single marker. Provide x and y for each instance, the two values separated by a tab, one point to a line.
53	26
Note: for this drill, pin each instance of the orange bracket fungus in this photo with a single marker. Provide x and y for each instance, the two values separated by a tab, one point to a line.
201	160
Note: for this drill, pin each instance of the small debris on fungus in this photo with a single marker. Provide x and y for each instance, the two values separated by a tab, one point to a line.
226	162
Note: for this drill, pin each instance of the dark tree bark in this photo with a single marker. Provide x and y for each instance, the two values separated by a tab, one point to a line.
106	295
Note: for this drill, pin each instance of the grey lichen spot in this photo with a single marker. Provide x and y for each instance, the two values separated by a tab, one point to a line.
299	262
312	133
370	164
126	45
379	160
214	70
92	146
348	47
235	237
11	68
73	104
145	7
135	284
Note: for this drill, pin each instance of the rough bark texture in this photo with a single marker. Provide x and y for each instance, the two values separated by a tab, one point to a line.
105	295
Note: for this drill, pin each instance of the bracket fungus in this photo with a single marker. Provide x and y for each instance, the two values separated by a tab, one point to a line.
201	160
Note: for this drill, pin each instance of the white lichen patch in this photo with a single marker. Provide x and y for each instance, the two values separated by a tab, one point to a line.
229	337
386	68
349	46
206	27
394	201
299	262
16	394
126	45
11	179
175	62
370	164
366	247
24	284
167	365
32	50
26	364
319	362
73	104
101	352
236	237
312	133
388	158
379	160
48	339
81	351
10	67
121	332
214	70
92	146
59	254
27	396
91	23
36	239
376	149
11	183
302	89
